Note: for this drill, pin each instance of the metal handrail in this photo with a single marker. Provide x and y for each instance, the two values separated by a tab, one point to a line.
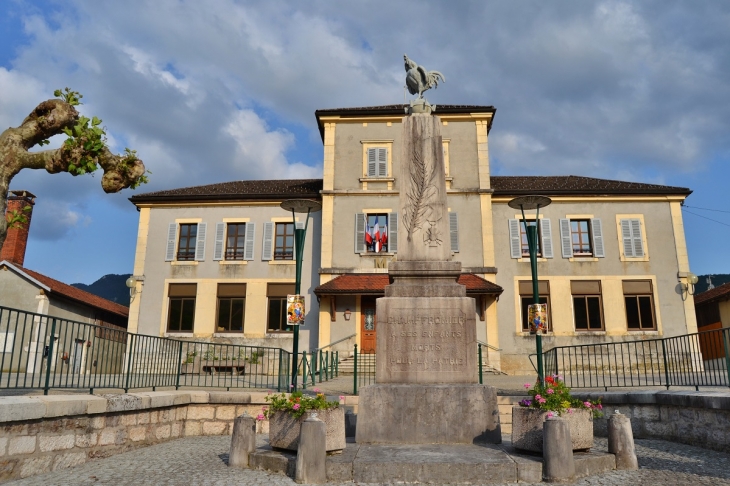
335	342
493	348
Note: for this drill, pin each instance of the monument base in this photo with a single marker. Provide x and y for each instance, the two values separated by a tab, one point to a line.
428	414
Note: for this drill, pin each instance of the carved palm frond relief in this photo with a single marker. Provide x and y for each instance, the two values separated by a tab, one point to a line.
421	191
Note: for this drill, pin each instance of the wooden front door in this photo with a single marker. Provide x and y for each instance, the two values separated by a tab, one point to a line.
367	325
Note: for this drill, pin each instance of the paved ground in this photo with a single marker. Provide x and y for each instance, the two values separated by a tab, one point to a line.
202	461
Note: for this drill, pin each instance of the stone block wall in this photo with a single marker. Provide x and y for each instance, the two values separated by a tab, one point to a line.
44	433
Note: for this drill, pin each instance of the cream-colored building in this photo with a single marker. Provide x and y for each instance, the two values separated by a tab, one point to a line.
612	254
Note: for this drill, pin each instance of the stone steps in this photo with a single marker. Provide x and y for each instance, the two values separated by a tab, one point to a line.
505	404
365	363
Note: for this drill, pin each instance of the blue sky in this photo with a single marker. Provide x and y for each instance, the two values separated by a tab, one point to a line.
209	91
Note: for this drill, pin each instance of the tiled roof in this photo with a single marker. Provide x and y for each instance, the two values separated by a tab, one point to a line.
576	185
78	294
721	292
374	284
398	110
236	190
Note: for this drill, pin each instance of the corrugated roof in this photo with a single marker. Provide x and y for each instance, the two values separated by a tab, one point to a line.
399	110
235	190
78	294
576	185
374	284
721	292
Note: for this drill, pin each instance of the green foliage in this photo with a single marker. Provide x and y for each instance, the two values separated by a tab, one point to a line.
130	157
190	358
555	397
16	218
86	141
73	98
297	404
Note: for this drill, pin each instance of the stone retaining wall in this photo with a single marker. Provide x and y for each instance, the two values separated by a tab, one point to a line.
45	433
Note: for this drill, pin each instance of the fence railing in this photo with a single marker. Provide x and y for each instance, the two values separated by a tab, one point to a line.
699	359
44	352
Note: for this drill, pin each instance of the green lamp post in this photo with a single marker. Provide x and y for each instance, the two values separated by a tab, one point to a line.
299	206
529	203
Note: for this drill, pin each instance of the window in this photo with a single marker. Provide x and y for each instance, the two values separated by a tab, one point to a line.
276	294
632	240
579	235
181	313
231	307
639	301
235	241
526	299
518	239
377	162
587	305
186	242
284	242
525	245
376	232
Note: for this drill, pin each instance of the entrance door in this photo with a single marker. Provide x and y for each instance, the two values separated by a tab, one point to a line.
368	324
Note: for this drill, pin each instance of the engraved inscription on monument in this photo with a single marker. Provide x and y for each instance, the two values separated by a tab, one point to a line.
427	340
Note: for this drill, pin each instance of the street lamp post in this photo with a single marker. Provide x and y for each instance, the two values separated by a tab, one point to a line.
528	203
299	206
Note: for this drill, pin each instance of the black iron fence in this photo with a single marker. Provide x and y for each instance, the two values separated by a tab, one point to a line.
699	359
44	352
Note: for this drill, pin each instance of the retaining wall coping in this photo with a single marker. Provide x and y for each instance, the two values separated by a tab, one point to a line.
715	400
13	409
229	397
63	405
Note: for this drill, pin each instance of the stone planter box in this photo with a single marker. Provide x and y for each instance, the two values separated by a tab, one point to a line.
527	428
284	429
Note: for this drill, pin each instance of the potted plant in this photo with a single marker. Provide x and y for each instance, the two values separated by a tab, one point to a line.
287	412
553	399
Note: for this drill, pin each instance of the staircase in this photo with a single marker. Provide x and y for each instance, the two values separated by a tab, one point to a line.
365	364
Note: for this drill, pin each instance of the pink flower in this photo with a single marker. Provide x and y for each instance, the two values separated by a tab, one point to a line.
570	410
587	404
260	417
537	397
291	386
550	391
296	406
264	408
541	400
527	385
549	414
600	407
342	398
316	390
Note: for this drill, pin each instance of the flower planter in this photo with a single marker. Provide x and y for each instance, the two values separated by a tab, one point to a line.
527	428
284	429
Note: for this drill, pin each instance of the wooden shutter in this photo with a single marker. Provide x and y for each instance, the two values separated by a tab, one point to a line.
547	238
360	233
249	241
566	242
454	231
220	238
171	237
515	241
268	248
626	238
372	162
392	232
382	162
636	237
597	229
200	242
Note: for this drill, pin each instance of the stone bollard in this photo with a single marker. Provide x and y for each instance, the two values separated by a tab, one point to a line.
621	442
312	453
243	441
557	451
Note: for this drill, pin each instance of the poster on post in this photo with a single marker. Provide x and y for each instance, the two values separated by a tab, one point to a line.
538	318
295	310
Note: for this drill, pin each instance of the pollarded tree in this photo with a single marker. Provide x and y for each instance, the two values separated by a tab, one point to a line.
84	151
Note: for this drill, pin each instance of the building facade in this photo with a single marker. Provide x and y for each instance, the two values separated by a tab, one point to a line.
612	254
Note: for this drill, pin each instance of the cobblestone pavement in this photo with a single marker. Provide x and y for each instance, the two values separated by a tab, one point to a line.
202	461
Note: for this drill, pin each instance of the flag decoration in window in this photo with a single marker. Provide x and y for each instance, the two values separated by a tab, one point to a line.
376	233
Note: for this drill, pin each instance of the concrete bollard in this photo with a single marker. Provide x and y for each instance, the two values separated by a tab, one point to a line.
621	442
243	441
312	453
557	451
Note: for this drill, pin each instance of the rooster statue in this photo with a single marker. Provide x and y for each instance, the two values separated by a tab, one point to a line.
418	79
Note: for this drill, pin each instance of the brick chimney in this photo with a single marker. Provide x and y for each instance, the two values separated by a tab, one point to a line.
17	237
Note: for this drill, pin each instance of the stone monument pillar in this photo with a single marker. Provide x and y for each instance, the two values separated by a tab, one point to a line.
427	387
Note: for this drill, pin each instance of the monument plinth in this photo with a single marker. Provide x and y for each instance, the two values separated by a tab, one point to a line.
427	389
